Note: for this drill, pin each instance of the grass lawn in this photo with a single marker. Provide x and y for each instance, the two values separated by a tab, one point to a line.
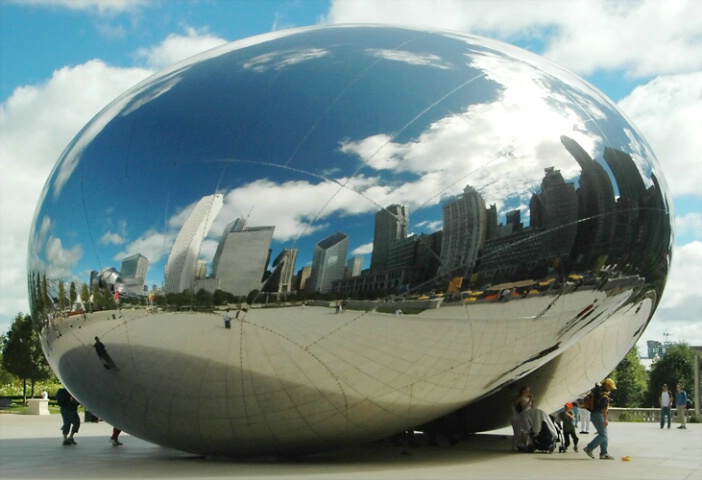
17	407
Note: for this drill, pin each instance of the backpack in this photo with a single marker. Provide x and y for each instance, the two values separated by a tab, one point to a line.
62	397
590	400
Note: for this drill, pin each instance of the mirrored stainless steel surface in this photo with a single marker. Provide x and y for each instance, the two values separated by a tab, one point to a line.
325	236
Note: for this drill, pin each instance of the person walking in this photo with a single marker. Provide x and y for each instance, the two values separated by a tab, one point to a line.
598	417
681	405
103	355
114	439
568	419
69	413
665	401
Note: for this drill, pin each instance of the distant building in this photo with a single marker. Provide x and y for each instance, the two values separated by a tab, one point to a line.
180	268
412	261
465	229
133	270
328	263
390	226
235	226
354	266
554	212
201	269
656	348
303	275
283	276
243	259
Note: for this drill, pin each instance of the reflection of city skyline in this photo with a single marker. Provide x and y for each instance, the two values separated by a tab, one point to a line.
567	224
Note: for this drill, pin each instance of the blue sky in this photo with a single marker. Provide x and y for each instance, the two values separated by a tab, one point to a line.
62	61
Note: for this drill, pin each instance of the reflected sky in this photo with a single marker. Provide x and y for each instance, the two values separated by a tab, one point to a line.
313	131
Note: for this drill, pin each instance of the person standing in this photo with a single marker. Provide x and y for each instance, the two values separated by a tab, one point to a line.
523	401
584	418
598	416
665	401
681	404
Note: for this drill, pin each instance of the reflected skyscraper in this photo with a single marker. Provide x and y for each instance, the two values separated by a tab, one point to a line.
201	270
303	275
555	212
465	228
235	226
595	205
133	270
180	269
390	226
328	263
281	280
632	192
243	260
354	266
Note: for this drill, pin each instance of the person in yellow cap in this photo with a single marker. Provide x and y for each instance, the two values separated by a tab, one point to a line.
598	417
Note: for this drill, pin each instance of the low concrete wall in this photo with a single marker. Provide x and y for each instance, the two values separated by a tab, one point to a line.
38	406
645	414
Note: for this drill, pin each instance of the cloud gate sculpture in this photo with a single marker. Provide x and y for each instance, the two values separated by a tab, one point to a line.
324	236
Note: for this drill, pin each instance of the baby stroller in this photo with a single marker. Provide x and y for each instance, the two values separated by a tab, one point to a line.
542	432
545	440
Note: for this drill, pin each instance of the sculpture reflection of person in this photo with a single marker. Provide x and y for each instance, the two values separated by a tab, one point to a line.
522	402
107	361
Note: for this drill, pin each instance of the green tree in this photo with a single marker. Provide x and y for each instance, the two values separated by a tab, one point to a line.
675	366
5	376
72	294
85	295
22	355
219	297
631	379
62	300
251	297
44	292
103	299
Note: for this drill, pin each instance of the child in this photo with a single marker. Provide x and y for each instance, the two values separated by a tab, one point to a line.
568	420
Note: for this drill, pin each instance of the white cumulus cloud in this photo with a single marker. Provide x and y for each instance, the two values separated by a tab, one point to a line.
178	47
668	112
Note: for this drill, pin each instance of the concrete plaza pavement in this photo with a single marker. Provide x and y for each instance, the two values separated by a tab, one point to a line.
31	448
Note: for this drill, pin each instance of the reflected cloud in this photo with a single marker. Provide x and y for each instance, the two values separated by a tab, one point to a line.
281	60
61	260
411	58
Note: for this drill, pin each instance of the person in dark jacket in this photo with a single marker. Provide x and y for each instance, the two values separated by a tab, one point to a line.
568	419
681	405
69	413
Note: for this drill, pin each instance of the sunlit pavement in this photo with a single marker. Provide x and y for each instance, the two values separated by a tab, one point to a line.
31	448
